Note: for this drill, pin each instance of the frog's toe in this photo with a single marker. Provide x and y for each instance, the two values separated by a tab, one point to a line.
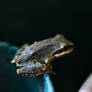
14	61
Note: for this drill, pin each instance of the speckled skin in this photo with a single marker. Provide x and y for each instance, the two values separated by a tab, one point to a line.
34	60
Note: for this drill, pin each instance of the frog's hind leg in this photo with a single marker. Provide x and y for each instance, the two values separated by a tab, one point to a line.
18	53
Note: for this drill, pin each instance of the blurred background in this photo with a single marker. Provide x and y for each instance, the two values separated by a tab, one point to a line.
28	21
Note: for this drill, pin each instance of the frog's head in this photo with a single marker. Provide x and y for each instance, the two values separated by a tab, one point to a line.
65	46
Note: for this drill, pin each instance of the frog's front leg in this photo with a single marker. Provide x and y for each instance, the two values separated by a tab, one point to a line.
32	69
49	59
18	53
50	70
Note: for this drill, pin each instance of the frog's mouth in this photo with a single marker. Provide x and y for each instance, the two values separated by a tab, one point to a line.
68	48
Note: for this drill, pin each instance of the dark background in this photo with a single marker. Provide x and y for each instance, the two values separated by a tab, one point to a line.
29	21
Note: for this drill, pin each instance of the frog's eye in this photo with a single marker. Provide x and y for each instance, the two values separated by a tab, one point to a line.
64	49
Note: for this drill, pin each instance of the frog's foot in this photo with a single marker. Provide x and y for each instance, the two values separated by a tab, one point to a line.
51	72
18	53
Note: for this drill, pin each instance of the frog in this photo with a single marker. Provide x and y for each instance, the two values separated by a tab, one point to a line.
36	59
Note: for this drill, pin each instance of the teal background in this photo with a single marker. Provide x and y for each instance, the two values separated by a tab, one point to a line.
29	21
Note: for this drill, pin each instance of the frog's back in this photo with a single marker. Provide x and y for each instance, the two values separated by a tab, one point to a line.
42	49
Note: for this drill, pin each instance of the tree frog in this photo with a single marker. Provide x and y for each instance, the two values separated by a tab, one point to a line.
35	59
